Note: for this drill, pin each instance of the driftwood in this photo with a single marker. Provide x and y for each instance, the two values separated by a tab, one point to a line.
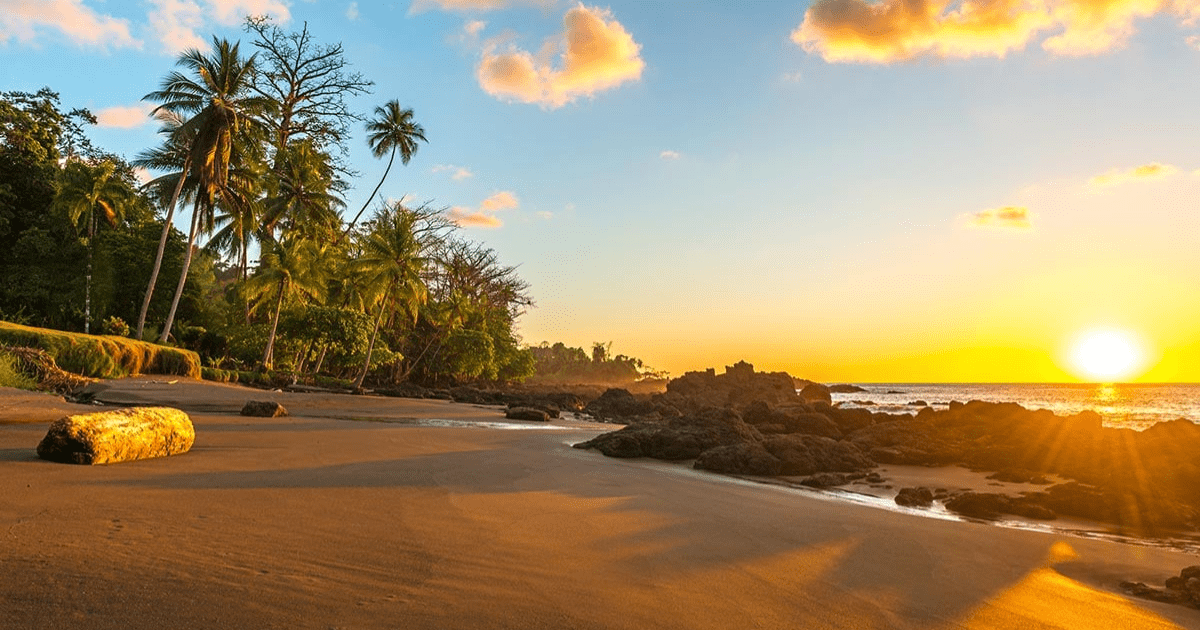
122	435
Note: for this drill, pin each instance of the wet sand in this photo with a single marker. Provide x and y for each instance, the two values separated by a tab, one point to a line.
361	512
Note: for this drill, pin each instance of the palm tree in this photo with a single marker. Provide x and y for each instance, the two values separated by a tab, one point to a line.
86	188
304	198
393	130
173	154
287	268
222	105
390	266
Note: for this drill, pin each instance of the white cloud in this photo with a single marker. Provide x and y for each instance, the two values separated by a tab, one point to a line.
178	23
543	214
457	173
125	117
474	27
669	155
26	20
463	6
352	11
595	53
1194	41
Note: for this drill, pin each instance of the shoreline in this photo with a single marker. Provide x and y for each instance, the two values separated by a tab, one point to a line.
314	521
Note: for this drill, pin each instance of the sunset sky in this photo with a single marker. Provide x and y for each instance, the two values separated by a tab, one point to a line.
847	190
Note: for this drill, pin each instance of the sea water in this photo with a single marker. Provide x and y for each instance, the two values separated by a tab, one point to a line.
1135	406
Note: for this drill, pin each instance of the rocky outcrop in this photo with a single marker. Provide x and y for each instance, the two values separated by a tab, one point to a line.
746	458
989	505
846	388
528	414
809	454
1181	589
739	386
263	409
684	437
914	497
122	435
618	405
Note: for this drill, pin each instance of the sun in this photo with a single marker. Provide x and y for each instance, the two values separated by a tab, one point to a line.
1107	355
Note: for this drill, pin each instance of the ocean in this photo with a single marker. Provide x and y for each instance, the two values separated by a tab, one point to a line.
1135	406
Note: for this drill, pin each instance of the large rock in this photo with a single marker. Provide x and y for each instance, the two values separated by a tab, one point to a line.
526	413
809	454
739	386
263	409
684	437
122	435
746	458
618	404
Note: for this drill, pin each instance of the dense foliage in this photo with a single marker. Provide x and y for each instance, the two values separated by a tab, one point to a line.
253	156
562	364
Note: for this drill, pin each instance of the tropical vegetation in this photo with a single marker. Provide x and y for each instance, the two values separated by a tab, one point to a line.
269	279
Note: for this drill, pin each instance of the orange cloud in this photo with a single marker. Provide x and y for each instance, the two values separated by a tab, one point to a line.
465	217
1006	218
597	54
1116	176
124	117
503	200
485	217
26	19
896	30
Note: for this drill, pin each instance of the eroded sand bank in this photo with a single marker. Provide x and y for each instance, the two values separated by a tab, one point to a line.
355	513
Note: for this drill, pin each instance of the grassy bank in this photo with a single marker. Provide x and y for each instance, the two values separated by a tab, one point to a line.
102	356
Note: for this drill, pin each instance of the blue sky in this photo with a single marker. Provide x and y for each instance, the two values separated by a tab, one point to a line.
843	190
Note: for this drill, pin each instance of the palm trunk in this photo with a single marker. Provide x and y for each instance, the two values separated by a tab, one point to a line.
87	284
320	361
162	246
187	263
269	354
370	347
377	187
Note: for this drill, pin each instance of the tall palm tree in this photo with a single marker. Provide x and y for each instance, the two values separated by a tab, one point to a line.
174	156
304	199
392	131
217	105
287	268
390	265
86	188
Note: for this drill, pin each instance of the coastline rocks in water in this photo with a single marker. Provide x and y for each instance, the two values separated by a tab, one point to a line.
549	408
684	437
816	392
846	388
263	409
746	458
789	420
1020	476
809	454
1181	589
122	435
618	404
739	386
991	506
527	413
825	480
915	497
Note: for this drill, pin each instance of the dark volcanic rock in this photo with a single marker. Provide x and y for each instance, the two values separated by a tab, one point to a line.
739	386
747	458
793	419
616	404
825	480
990	506
263	409
549	408
915	497
816	392
1020	476
1181	589
685	437
526	413
846	388
809	454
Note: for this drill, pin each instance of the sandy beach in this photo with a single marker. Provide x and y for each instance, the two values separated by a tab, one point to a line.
362	512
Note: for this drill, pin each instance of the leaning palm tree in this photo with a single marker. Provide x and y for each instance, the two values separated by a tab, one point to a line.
392	131
86	188
297	266
217	105
390	266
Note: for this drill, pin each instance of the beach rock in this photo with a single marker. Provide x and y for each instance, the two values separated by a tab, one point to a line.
846	388
616	403
915	497
746	458
825	480
794	419
1020	476
548	408
263	409
816	392
685	437
809	454
739	386
526	413
989	505
115	436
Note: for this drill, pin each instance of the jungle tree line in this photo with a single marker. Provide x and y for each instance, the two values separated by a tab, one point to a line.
253	153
